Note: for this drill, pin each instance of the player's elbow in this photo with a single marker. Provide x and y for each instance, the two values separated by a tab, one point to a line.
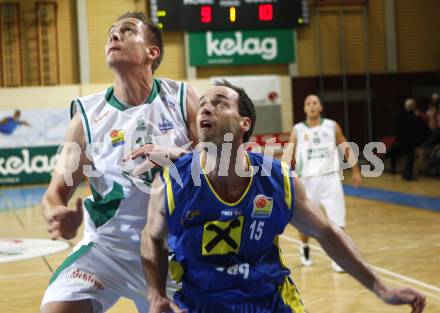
325	231
148	243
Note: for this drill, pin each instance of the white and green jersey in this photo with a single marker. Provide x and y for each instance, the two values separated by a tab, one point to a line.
116	212
316	153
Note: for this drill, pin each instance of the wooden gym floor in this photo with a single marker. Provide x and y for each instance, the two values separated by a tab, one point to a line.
401	242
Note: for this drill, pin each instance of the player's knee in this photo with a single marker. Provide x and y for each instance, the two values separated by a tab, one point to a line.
83	306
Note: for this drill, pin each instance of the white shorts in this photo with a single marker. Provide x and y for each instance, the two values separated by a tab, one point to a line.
326	190
101	275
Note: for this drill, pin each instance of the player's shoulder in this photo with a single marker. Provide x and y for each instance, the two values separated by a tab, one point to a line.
300	126
169	86
95	97
329	122
88	102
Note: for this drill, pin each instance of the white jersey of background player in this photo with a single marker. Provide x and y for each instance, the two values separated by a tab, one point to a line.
318	165
137	110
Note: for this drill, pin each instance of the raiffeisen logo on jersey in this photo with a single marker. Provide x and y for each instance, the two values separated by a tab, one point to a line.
117	137
262	206
266	47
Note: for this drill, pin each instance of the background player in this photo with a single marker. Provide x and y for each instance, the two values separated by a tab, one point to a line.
137	109
224	228
317	163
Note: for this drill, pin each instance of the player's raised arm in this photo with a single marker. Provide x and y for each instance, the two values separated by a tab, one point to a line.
63	221
154	253
338	245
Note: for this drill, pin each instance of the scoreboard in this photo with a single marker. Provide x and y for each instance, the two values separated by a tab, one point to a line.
202	15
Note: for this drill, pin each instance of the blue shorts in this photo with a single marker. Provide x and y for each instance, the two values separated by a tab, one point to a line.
285	300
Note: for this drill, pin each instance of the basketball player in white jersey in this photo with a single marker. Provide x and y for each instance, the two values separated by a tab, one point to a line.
317	164
137	110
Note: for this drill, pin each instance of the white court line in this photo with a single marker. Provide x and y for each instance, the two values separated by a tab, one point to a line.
24	275
379	269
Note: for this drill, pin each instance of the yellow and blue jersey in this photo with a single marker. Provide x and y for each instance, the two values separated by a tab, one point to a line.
228	253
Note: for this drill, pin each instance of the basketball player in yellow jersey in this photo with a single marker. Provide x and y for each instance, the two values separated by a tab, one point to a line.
317	164
137	109
225	243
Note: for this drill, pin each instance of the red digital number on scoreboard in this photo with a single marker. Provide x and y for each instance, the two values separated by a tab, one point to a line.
265	12
205	14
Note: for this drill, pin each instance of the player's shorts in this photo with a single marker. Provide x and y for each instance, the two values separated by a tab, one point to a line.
101	275
286	300
326	190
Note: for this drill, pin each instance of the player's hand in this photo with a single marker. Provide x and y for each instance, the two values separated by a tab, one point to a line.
155	156
357	179
164	305
398	296
149	150
63	221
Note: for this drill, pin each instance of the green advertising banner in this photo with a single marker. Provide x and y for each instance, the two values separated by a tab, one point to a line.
241	47
26	165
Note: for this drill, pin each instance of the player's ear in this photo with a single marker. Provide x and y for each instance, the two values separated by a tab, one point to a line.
153	52
245	124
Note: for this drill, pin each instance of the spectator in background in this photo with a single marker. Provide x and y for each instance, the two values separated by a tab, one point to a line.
410	131
433	115
435	100
433	112
10	123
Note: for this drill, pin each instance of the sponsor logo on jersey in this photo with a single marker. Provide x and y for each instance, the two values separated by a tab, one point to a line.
170	103
230	213
165	125
117	137
189	215
220	238
262	206
84	278
141	125
102	117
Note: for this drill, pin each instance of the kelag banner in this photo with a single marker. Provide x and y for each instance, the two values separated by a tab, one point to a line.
241	47
28	144
26	165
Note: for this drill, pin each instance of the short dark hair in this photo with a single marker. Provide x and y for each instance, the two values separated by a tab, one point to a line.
245	105
155	34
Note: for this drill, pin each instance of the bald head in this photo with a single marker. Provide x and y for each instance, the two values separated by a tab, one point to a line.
410	104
